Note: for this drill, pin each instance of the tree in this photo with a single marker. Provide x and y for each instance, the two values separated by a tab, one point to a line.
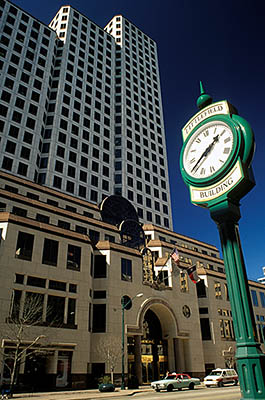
110	349
22	336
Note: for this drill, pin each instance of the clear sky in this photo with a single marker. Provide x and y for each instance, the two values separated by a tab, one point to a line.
221	43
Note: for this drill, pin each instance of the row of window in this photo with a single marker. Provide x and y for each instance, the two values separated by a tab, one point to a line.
50	250
24	251
51	202
45	283
16	12
60	311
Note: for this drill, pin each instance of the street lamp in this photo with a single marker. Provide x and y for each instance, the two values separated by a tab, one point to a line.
123	307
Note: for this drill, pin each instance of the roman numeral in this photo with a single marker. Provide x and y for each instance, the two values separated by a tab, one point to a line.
212	169
202	172
221	160
206	133
198	140
223	132
226	150
227	140
192	160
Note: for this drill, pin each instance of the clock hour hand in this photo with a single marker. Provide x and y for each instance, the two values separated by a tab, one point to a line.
205	153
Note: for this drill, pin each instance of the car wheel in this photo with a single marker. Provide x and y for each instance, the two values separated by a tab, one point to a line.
157	390
191	386
179	388
220	384
235	383
169	388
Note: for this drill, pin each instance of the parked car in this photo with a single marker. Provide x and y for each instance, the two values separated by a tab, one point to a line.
175	381
219	376
106	387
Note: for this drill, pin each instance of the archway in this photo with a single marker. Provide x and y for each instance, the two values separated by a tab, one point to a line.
150	345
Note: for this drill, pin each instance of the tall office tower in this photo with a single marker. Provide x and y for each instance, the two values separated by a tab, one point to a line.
141	171
81	109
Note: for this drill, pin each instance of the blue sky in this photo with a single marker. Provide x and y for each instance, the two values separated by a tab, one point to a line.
221	43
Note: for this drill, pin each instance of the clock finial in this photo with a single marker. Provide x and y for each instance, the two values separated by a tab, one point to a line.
204	99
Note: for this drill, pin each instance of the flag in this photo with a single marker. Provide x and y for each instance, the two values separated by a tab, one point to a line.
192	272
175	255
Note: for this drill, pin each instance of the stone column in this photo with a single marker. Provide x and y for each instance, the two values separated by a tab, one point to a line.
138	358
171	355
179	355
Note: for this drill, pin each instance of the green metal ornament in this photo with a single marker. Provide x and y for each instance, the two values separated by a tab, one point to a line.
215	164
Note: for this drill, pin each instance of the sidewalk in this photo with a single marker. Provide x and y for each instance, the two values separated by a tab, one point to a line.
81	394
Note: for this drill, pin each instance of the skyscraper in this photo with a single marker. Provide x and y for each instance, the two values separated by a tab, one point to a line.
81	109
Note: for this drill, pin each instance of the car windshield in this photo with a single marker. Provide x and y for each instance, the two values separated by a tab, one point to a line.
216	373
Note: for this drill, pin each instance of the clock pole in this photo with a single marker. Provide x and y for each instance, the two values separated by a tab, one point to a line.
220	191
249	357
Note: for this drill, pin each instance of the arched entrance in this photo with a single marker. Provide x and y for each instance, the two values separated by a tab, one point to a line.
153	349
150	351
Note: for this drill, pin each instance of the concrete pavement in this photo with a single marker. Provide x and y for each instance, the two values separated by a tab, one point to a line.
80	394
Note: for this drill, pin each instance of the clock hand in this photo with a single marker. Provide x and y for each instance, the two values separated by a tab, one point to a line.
205	153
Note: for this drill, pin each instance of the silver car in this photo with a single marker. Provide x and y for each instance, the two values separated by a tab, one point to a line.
175	381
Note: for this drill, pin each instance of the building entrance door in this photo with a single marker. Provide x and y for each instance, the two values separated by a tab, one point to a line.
153	349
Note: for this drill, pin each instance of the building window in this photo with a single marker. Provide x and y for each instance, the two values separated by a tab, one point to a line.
71	311
19	211
126	270
50	252
81	229
7	163
203	310
57	182
43	218
109	238
262	299
99	294
64	225
24	246
254	298
217	288
73	257
100	266
93	195
205	329
55	307
163	277
35	281
201	289
22	169
99	318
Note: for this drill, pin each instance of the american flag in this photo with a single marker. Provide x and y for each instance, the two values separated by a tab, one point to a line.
175	255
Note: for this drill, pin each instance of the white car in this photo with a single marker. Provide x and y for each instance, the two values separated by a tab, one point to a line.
175	381
219	376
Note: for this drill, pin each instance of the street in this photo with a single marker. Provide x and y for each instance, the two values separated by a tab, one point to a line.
228	393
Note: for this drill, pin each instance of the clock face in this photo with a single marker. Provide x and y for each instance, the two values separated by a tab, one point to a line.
208	149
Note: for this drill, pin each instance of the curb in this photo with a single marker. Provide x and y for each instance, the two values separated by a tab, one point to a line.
79	394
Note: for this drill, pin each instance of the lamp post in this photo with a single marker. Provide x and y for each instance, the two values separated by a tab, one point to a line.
123	307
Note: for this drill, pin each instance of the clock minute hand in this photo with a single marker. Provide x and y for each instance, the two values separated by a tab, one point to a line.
205	153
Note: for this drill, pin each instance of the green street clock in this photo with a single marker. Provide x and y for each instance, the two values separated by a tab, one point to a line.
208	149
215	163
217	151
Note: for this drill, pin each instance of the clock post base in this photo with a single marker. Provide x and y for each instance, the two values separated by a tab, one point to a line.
249	357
